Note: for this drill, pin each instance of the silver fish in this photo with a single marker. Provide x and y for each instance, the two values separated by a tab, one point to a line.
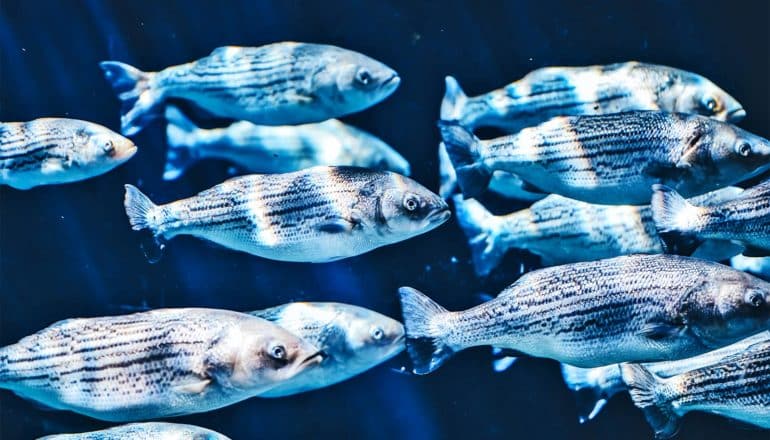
595	386
50	151
612	159
561	230
144	431
315	215
639	308
271	149
503	184
759	266
161	363
592	90
744	220
284	83
353	339
737	387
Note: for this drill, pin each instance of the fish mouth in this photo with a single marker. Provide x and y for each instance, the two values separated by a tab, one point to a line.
315	358
736	114
392	82
128	153
439	216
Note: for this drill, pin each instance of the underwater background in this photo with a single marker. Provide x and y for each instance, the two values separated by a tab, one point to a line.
68	251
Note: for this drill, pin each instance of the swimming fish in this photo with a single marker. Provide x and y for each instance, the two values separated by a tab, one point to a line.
638	308
144	431
284	83
593	387
758	266
737	387
353	339
569	91
503	184
270	149
161	363
50	151
743	220
561	230
315	215
612	159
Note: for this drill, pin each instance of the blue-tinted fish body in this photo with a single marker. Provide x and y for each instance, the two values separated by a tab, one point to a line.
144	431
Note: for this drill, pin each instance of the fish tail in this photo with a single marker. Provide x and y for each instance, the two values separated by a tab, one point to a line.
145	216
463	149
671	212
180	134
140	101
446	171
590	397
644	388
479	225
454	102
424	330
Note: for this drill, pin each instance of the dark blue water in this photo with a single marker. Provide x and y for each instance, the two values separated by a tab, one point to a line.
67	251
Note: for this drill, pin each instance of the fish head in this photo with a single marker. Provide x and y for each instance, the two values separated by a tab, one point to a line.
736	154
402	208
737	305
370	337
349	81
265	354
694	94
97	149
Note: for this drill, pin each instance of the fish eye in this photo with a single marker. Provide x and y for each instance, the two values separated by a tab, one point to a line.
411	203
755	299
377	333
744	149
278	352
108	147
711	104
363	77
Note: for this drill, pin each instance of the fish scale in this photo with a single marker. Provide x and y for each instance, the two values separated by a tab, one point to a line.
144	431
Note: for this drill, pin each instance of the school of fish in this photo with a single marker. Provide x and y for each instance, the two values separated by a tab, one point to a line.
626	164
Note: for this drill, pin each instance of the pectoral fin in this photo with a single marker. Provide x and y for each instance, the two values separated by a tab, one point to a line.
337	225
195	387
51	166
300	99
659	330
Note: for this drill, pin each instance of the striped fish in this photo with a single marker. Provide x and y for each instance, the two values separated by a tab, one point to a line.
593	387
144	431
612	159
561	230
50	151
278	84
744	220
315	215
353	339
640	308
593	90
269	149
161	363
737	387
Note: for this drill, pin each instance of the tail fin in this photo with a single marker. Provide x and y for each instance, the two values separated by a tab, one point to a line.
479	226
145	215
453	104
446	172
140	102
180	133
463	149
593	387
671	212
643	386
424	331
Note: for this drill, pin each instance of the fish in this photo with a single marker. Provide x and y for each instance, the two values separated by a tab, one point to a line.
636	308
738	387
144	431
286	83
50	151
148	365
757	266
590	90
561	230
353	339
315	215
612	159
503	184
743	220
593	387
272	149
